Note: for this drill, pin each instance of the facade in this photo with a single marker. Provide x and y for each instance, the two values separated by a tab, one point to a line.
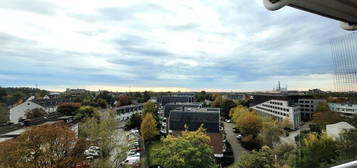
175	99
18	112
280	110
173	106
344	108
308	106
236	96
334	130
193	118
125	112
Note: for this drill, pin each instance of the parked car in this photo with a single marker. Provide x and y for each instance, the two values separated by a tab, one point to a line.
228	121
236	130
239	137
132	161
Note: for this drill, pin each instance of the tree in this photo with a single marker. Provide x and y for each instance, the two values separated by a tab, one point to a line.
148	127
35	113
68	108
85	112
317	150
146	96
102	103
226	106
44	146
324	116
18	96
249	124
123	100
217	101
282	156
270	133
257	159
191	150
149	107
101	131
134	121
347	145
4	113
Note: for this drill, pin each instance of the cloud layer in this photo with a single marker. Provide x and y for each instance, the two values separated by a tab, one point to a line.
192	45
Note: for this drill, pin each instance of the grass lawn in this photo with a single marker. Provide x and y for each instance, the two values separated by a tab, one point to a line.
153	145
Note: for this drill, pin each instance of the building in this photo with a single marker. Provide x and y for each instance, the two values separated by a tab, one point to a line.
284	105
192	118
175	99
334	130
173	106
344	108
18	112
280	110
308	106
125	112
236	96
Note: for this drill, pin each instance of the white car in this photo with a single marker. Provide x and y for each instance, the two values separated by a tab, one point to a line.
239	136
131	160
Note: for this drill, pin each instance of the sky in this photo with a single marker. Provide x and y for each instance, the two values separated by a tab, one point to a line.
136	45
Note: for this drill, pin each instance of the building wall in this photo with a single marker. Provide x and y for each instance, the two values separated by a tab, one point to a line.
280	110
125	112
20	110
343	108
308	106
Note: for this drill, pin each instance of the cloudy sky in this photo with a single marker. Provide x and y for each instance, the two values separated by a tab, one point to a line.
231	45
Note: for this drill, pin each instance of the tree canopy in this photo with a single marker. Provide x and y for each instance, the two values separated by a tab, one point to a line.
148	127
44	146
190	150
35	113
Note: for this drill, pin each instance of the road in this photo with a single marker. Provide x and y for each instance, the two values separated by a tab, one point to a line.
231	137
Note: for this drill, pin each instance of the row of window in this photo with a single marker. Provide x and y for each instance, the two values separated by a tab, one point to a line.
276	103
273	111
274	107
306	101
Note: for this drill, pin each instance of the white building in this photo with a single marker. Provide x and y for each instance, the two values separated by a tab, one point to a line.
308	106
20	110
334	130
343	108
125	112
280	110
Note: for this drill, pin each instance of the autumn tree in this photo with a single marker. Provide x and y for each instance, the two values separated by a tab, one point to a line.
44	146
148	127
35	113
323	116
190	150
68	108
85	112
249	124
123	100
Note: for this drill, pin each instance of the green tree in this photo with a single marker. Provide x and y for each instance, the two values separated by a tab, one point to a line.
68	108
226	106
191	150
257	159
85	112
35	113
102	103
270	133
4	113
148	127
347	145
134	121
317	150
150	107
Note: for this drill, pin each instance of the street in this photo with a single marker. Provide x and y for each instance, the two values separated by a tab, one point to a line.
231	137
